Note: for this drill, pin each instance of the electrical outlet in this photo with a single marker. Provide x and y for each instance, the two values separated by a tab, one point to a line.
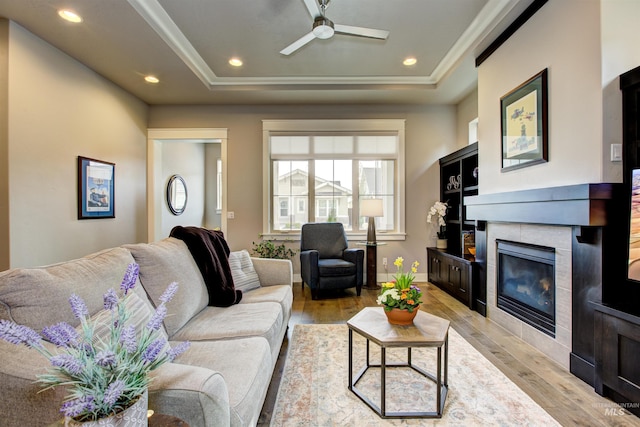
384	262
231	215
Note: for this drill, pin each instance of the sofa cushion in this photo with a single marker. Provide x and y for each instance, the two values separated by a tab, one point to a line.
282	294
246	365
39	297
244	275
261	319
166	261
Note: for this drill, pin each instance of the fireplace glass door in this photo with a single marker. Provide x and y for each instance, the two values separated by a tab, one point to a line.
526	283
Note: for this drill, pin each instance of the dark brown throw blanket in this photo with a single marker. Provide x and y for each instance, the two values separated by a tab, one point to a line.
211	253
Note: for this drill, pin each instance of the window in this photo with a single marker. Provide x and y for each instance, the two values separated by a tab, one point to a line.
323	168
284	208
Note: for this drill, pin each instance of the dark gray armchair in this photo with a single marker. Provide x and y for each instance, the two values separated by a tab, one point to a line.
326	262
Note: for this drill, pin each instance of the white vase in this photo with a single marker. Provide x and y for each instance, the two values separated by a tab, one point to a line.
441	244
134	416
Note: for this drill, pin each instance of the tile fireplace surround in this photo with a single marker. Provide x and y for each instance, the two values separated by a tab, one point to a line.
573	220
558	237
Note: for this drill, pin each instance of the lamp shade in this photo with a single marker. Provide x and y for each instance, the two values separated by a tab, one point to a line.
371	207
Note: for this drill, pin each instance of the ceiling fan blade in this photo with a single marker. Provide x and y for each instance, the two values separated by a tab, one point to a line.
361	31
298	44
313	7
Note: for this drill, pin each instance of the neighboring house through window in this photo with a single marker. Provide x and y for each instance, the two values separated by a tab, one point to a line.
319	170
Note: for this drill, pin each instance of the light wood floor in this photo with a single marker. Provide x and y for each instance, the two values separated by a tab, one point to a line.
564	396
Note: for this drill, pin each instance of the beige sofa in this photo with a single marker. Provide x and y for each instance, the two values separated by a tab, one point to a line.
222	380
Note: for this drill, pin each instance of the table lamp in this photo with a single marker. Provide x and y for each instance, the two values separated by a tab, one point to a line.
371	208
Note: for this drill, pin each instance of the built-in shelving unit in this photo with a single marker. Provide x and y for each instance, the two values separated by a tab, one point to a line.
453	269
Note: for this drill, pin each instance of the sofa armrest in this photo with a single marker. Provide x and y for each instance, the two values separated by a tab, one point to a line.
21	394
273	271
197	395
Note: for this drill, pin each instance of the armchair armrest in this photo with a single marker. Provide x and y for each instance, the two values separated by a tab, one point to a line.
273	271
356	256
353	255
309	266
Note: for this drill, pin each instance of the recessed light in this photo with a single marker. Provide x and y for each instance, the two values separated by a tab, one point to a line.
70	16
236	62
151	79
410	61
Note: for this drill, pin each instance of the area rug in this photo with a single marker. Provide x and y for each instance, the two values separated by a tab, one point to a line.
314	386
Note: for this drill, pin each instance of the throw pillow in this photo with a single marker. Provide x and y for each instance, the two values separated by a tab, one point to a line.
244	275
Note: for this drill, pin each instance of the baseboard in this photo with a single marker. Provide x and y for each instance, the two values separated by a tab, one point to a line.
582	369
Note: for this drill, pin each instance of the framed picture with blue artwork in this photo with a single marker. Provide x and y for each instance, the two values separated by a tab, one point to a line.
524	124
96	189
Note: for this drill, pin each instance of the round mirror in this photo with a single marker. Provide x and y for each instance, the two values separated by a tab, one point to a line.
176	195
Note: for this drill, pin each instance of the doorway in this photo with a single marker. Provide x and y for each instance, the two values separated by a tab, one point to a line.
198	154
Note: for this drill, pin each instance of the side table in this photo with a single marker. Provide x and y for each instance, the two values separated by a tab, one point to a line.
427	331
372	264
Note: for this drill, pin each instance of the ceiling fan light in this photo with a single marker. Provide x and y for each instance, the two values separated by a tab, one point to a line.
323	28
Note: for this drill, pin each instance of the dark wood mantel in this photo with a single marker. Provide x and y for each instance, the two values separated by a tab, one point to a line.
572	205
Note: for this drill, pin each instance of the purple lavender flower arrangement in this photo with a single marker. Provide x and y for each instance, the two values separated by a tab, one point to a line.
104	375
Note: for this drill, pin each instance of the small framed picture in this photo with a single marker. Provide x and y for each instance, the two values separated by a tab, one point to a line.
96	189
524	124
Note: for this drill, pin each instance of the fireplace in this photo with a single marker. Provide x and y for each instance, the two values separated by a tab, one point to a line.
526	283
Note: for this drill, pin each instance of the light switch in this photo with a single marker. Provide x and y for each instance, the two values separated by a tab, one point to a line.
616	152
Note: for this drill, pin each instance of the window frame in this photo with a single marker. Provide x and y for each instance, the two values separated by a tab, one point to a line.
312	126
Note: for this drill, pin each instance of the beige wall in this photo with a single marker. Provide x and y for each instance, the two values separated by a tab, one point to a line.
212	152
563	36
186	159
430	134
466	111
620	53
4	145
58	110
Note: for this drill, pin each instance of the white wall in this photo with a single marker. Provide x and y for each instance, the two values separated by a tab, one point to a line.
187	160
563	36
430	133
57	110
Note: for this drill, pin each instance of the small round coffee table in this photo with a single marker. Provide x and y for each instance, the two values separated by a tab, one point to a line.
427	331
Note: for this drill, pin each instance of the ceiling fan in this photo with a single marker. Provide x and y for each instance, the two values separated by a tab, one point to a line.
323	28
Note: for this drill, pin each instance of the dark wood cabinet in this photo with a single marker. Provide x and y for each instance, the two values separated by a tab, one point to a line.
617	319
454	269
452	274
616	356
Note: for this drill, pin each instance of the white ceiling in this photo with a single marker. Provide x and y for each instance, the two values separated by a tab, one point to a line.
187	45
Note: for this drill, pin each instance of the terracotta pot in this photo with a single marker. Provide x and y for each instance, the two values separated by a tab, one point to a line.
401	317
134	416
